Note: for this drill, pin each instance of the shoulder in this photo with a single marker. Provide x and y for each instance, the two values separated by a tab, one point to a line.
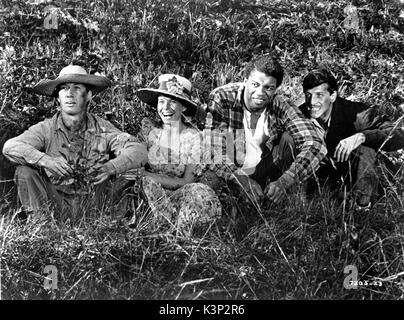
281	101
103	124
281	105
348	106
45	124
227	91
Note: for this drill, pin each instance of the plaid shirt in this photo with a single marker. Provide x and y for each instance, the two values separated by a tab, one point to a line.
226	106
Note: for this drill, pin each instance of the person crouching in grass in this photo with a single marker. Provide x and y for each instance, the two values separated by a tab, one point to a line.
176	198
353	133
60	160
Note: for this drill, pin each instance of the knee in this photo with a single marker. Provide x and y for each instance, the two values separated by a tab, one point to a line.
25	172
366	150
366	153
212	180
287	142
286	151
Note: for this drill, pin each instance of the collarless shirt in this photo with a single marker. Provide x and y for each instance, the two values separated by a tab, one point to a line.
254	139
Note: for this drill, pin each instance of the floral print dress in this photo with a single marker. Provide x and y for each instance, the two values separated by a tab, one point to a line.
190	206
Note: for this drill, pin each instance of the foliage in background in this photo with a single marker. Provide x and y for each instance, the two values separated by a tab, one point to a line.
131	42
296	250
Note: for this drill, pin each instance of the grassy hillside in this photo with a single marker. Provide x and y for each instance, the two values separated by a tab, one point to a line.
298	249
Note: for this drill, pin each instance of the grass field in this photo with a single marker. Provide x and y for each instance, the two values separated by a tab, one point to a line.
296	250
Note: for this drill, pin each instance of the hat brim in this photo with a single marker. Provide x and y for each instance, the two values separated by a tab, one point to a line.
150	96
48	87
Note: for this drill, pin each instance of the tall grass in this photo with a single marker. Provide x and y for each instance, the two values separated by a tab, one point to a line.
295	250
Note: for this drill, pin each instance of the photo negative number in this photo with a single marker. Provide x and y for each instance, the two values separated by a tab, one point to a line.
51	277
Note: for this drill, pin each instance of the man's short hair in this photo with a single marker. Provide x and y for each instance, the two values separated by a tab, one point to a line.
266	64
319	76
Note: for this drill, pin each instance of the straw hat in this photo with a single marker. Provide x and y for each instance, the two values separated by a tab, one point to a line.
71	73
173	86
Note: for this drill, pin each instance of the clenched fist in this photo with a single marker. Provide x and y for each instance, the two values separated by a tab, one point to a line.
274	193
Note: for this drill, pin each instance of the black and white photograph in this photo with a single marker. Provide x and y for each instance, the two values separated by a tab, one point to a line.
218	152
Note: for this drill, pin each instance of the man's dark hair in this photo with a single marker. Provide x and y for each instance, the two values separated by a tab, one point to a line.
319	76
266	64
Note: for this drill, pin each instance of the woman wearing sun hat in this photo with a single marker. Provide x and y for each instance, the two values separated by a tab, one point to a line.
174	151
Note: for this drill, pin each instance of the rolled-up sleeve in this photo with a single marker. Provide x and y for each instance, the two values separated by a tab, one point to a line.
28	147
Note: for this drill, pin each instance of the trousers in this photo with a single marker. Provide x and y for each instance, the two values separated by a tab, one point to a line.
36	192
275	163
357	174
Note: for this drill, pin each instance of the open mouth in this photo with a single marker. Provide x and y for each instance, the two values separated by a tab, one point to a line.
315	108
259	100
168	114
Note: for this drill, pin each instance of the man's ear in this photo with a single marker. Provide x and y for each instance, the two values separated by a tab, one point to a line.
333	96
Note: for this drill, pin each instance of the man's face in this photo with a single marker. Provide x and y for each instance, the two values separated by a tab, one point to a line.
73	98
259	89
169	110
320	101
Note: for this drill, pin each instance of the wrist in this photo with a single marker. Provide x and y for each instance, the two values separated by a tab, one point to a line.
43	160
362	137
110	168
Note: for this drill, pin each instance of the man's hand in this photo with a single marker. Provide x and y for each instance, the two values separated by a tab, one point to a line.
57	166
274	192
249	186
346	146
103	174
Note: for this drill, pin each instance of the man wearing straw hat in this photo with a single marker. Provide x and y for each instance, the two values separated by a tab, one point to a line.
62	158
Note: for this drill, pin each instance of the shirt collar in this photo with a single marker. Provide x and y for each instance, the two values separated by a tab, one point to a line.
61	126
239	101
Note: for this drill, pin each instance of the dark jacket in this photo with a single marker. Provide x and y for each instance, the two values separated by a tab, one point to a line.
349	117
